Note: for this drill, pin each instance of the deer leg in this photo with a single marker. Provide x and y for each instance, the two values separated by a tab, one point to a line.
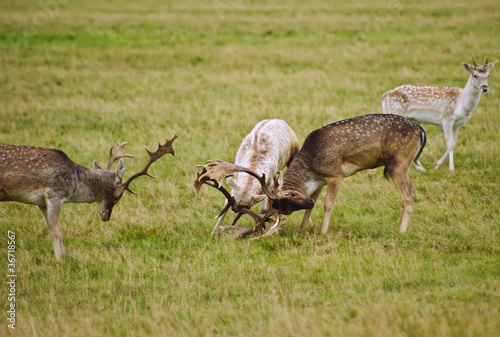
332	190
307	214
407	191
455	133
264	205
450	146
51	214
220	218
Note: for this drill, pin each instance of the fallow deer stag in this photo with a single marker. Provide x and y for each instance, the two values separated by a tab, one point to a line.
333	153
268	148
446	106
48	178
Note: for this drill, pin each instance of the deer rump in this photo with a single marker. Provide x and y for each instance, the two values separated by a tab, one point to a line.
327	156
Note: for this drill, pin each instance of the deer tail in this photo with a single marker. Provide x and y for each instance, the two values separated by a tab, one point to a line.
423	141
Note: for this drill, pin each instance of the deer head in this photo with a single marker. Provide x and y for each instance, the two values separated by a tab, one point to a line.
479	73
114	188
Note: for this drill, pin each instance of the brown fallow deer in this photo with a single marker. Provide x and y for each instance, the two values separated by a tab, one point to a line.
48	178
267	149
328	156
446	106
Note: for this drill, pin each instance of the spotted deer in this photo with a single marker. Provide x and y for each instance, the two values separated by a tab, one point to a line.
327	157
449	107
48	178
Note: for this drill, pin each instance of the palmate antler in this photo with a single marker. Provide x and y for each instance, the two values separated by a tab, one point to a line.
213	174
153	156
116	153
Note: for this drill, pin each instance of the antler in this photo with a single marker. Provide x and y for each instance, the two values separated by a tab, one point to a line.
473	60
116	153
486	62
213	174
217	170
153	156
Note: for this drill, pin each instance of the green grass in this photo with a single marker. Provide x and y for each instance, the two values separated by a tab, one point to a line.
86	73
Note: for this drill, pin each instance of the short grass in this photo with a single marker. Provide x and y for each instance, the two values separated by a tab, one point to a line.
78	74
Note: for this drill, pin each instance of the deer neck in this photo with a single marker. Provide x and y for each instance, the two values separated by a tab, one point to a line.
299	177
91	184
469	98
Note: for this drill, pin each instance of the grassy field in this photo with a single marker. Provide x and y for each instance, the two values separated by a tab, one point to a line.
77	75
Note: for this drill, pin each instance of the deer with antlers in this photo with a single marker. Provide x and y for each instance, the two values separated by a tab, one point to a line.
327	157
267	149
446	106
48	178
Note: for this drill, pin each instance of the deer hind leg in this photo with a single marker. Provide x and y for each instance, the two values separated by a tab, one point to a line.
332	190
51	214
307	214
400	177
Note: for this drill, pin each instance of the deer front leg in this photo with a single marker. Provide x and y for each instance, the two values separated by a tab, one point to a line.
51	214
332	190
450	146
220	219
307	214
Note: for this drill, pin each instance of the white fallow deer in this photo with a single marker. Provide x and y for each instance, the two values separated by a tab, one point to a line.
267	149
328	156
48	178
449	107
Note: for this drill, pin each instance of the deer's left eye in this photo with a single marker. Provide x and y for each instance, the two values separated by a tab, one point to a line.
286	194
475	76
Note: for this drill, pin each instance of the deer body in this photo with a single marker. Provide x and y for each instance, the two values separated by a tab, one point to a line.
336	151
48	178
449	107
267	149
32	175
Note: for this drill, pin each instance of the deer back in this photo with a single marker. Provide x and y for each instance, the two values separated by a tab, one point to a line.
341	149
267	149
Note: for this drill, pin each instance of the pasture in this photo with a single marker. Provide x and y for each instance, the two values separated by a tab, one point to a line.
78	74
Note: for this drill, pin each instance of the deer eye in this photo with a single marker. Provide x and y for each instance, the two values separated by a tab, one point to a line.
475	76
286	194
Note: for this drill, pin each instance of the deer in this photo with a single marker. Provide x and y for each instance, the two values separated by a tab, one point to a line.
267	149
449	107
329	155
48	179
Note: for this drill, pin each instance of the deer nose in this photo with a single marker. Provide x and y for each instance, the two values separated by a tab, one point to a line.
105	215
485	88
310	203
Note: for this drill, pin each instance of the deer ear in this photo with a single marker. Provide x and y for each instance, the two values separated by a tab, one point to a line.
490	65
467	67
120	169
97	166
231	182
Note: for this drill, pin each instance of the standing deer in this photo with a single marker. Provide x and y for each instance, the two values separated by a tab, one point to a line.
328	156
267	149
48	178
446	106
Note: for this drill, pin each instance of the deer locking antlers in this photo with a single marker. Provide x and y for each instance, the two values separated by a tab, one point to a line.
214	173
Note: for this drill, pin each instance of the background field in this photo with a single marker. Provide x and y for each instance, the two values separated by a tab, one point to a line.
78	74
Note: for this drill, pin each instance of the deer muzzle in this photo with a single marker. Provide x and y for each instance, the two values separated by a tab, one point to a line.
484	88
105	215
